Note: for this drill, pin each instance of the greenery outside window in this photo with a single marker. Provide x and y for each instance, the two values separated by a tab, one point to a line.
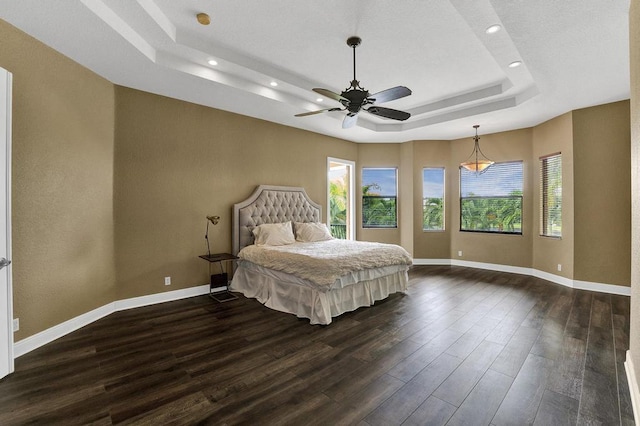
551	195
492	201
379	198
433	199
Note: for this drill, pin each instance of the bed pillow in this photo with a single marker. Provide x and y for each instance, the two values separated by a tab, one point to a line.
273	234
308	232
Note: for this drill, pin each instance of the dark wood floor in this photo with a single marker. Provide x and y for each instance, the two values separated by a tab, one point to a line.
464	346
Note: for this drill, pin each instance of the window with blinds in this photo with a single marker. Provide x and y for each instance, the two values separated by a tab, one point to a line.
492	201
433	199
551	195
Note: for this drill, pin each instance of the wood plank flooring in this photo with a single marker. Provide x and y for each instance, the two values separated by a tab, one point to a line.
464	346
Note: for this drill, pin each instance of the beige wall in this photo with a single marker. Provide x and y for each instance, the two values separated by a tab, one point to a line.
634	47
602	171
432	244
406	210
63	229
554	136
512	250
176	163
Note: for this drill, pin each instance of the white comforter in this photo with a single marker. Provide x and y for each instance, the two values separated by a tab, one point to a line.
324	262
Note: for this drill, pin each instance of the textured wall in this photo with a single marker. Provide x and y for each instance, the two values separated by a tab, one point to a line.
602	187
553	136
432	244
63	240
177	162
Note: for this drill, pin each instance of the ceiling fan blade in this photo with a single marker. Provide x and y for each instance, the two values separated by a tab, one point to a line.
390	94
349	120
394	114
331	95
304	114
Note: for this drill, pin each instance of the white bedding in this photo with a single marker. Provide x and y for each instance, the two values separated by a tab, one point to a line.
287	293
323	263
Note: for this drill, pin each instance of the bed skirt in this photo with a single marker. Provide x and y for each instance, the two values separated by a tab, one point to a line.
276	291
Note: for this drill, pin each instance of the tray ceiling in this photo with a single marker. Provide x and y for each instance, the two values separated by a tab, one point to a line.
574	54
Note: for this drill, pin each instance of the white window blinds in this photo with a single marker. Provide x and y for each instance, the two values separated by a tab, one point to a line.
551	195
492	201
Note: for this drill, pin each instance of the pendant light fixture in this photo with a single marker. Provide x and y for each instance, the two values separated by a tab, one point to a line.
477	161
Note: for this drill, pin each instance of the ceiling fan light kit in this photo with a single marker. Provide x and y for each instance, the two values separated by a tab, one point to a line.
355	98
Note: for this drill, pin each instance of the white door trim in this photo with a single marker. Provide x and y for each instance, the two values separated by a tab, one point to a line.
5	111
351	209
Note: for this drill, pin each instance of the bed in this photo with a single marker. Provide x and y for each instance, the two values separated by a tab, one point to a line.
312	276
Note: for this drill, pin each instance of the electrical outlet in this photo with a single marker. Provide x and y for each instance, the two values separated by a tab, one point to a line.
559	267
459	253
167	280
16	324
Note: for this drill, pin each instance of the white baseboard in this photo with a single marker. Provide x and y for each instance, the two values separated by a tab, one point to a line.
432	261
633	385
602	288
492	267
567	282
152	299
49	335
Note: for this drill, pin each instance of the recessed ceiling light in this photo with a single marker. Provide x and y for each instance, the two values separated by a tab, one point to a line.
203	18
515	64
319	100
273	84
493	29
213	62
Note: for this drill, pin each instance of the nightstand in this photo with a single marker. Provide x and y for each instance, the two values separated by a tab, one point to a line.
221	279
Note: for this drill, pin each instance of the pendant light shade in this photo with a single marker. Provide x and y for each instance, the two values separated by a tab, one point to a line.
477	161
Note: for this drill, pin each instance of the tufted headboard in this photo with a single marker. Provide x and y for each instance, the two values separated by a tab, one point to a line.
271	204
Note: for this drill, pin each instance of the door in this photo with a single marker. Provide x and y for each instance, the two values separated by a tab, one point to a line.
340	198
6	294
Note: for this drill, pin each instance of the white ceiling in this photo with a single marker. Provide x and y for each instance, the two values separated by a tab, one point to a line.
575	54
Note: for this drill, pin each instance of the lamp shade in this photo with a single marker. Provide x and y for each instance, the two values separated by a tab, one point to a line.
477	166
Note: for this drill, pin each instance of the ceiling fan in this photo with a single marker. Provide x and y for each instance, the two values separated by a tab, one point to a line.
355	98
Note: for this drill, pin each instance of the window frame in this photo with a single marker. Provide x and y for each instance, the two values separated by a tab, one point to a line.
383	196
544	204
521	198
444	203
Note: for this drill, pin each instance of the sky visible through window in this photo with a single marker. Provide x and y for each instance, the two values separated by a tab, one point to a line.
433	181
384	178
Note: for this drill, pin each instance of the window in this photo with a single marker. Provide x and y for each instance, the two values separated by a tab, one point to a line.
551	195
433	199
492	201
379	198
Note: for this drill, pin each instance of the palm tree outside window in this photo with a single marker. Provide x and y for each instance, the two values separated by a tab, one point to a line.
433	199
379	198
492	201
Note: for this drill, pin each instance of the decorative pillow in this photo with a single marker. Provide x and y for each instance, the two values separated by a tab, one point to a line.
274	234
308	232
